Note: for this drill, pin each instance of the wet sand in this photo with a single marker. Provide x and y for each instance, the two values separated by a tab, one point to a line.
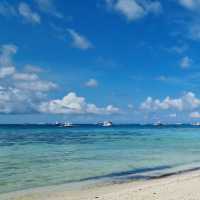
183	186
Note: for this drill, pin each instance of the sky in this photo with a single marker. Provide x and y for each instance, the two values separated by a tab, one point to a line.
129	61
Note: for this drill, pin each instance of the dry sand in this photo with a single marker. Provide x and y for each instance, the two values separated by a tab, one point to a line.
184	186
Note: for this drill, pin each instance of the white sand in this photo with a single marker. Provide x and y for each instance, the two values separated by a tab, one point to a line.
178	187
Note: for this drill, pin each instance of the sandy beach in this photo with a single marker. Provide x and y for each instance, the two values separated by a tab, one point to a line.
177	187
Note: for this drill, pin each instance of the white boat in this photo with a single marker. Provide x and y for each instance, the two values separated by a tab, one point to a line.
107	123
158	124
67	124
196	124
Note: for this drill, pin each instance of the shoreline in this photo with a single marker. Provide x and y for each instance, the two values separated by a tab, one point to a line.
180	185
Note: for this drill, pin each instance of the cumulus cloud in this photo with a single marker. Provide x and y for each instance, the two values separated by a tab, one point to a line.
131	9
24	91
6	71
134	9
20	91
73	104
14	100
188	101
48	7
26	12
79	41
92	83
185	62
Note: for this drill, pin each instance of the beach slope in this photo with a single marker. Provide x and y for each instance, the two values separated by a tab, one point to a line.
177	187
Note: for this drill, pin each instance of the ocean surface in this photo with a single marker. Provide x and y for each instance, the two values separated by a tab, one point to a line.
32	156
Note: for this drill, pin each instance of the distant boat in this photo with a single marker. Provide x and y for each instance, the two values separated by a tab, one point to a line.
178	123
65	124
107	124
158	124
57	123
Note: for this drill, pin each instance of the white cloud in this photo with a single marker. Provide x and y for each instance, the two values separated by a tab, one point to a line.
193	25
20	91
190	4
6	71
6	66
185	62
23	10
134	9
25	92
195	115
189	101
152	7
179	49
33	68
79	41
36	85
110	109
7	51
14	100
92	83
152	105
48	7
29	15
25	76
73	104
130	8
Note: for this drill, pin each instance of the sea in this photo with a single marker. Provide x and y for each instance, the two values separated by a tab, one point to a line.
33	156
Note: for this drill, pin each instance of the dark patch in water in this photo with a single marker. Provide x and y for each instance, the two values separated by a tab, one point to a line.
175	173
134	174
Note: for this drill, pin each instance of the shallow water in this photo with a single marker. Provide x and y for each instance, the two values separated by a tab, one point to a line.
34	156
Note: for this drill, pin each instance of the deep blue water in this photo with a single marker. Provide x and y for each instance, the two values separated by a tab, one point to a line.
40	155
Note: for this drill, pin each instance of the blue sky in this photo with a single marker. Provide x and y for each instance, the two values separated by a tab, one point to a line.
125	60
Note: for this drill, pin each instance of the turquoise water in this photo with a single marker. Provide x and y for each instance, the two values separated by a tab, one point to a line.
34	156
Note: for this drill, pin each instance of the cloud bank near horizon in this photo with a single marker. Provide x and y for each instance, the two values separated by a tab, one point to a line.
23	91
